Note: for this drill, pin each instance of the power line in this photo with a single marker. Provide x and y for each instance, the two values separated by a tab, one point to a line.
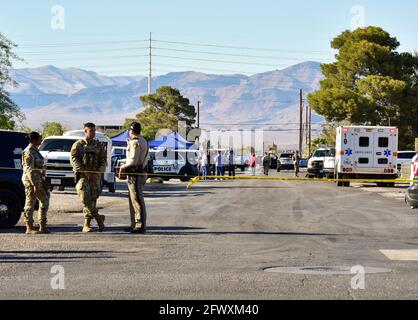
63	44
89	58
237	47
83	51
229	54
218	61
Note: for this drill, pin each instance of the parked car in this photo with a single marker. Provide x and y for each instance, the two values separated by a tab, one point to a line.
56	151
285	161
411	195
303	163
322	163
12	191
404	157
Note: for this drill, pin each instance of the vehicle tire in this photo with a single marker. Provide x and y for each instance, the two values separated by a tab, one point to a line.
346	184
340	183
10	211
185	175
242	169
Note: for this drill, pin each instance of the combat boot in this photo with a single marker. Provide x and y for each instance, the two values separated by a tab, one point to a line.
87	228
100	222
30	229
42	228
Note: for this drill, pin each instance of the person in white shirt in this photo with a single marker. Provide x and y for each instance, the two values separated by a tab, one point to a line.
220	164
204	164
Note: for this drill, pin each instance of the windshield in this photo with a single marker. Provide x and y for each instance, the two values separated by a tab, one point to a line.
57	145
286	155
324	153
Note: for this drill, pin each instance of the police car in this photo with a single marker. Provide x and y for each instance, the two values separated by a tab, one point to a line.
12	191
173	164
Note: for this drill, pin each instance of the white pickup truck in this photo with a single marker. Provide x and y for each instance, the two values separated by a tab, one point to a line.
322	163
56	151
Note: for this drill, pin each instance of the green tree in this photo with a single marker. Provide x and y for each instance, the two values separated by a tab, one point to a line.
52	129
163	110
370	83
9	111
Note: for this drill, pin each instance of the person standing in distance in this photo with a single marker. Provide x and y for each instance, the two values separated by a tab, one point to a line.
136	170
35	184
296	160
88	159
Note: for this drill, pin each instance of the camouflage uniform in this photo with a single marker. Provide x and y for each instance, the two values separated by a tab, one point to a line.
88	157
136	162
34	175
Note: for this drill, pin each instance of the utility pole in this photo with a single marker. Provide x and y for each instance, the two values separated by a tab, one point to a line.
150	64
310	130
300	121
306	127
198	113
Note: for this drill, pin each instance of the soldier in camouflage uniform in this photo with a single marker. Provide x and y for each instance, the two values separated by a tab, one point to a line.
88	158
35	185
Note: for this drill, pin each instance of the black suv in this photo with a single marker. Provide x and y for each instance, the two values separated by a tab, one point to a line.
12	192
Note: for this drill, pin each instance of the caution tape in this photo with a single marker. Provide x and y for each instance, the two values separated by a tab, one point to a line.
396	181
196	179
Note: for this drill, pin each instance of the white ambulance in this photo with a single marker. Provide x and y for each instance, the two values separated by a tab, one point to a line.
366	153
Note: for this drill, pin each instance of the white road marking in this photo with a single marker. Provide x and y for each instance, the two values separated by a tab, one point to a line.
401	255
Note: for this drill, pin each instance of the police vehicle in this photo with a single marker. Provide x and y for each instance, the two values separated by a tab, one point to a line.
12	191
56	151
173	164
365	152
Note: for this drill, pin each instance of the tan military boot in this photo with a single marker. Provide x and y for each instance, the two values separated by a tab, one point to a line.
100	222
42	228
30	229
87	228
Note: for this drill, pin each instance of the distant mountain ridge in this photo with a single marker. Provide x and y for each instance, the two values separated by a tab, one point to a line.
73	96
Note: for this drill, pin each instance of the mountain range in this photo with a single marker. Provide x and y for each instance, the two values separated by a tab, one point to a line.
73	96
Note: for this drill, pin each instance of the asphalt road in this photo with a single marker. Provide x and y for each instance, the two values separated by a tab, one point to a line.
214	241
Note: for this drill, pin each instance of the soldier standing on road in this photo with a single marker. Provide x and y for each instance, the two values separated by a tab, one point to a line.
296	160
88	158
136	169
36	187
231	163
266	164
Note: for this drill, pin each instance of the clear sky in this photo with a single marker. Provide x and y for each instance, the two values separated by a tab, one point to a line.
108	36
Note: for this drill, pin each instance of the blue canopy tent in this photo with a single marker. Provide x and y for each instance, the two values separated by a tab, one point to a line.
120	139
170	141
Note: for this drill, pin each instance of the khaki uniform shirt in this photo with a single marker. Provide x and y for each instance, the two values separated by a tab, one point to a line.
33	166
137	153
88	156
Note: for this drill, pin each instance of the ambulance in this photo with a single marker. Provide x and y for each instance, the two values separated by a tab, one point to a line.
364	152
